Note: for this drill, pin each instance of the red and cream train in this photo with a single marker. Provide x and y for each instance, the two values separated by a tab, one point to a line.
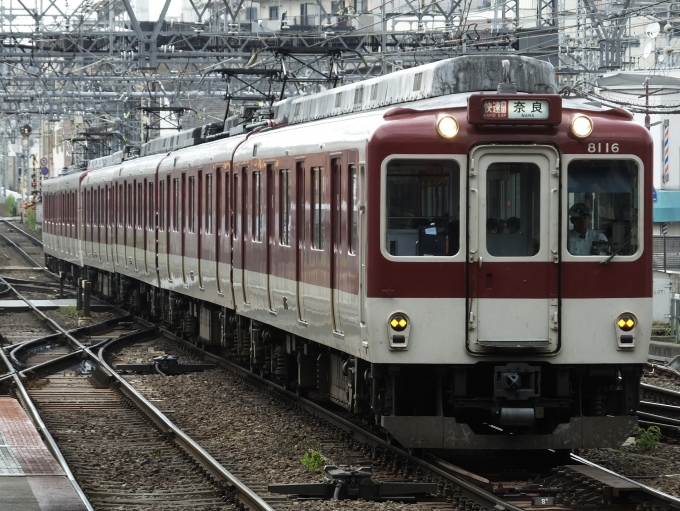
452	250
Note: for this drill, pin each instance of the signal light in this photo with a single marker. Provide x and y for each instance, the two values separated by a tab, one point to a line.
398	323
626	322
26	130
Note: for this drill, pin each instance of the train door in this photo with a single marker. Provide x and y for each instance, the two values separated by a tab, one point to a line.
207	227
141	229
107	225
100	224
300	234
336	248
190	237
513	248
243	215
183	225
270	231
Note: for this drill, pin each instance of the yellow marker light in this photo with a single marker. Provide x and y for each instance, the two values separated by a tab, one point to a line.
581	126
398	323
626	322
447	126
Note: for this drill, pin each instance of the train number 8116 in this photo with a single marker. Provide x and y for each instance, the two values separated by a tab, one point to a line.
600	147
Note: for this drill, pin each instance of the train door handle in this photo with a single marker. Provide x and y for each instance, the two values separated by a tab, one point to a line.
480	261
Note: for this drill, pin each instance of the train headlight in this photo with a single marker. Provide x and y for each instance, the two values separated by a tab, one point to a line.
447	126
626	329
581	126
398	330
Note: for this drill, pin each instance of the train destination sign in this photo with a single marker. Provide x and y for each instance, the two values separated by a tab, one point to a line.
515	109
494	109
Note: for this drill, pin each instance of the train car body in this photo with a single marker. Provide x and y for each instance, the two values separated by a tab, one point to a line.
464	263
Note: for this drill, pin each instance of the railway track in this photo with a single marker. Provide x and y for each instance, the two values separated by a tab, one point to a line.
18	247
571	483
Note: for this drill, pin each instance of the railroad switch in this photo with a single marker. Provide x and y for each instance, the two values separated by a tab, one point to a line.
343	482
164	364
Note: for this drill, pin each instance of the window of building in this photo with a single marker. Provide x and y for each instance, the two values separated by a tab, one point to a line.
274	12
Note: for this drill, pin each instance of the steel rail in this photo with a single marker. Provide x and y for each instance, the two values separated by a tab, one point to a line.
39	425
21	252
245	494
35	240
646	489
660	390
345	425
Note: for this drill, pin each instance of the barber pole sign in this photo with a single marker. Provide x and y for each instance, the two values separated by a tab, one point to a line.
666	143
664	228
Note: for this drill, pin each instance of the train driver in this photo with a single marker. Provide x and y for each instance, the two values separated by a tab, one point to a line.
581	237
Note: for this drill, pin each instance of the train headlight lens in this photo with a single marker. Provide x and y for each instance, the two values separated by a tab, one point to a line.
447	126
582	126
626	322
398	323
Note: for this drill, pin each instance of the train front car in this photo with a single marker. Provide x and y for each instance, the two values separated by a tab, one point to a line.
509	276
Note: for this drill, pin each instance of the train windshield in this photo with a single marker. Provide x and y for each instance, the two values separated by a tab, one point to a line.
513	206
423	207
602	207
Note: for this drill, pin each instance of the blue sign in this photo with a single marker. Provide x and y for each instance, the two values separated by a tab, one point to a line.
45	171
655	197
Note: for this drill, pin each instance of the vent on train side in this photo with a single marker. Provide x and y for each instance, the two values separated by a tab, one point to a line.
451	76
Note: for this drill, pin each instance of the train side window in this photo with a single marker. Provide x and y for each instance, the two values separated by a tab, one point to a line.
422	208
129	200
161	206
175	208
513	208
353	209
284	206
237	212
602	207
208	204
192	204
150	201
257	206
317	205
139	206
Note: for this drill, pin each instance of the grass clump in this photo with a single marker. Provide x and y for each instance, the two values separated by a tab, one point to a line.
647	439
30	220
69	310
10	203
314	461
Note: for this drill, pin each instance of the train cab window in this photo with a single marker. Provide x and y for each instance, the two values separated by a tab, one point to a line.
423	207
602	207
513	205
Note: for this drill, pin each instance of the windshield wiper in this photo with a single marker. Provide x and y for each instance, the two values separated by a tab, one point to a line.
625	242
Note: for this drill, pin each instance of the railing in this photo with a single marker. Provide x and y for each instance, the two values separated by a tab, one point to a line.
666	253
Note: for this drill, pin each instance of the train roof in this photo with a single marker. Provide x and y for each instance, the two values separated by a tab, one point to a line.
442	78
